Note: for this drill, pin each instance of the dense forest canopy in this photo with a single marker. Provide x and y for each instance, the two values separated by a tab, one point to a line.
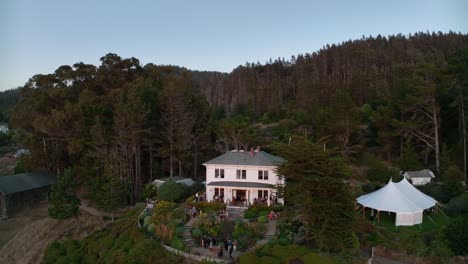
398	99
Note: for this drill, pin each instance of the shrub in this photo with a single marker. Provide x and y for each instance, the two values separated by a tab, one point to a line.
179	231
190	199
209	206
257	229
179	216
149	191
458	206
250	214
53	252
151	228
172	191
196	232
263	213
314	258
284	241
146	221
451	188
248	258
456	233
177	243
262	219
255	211
204	221
226	229
269	260
143	215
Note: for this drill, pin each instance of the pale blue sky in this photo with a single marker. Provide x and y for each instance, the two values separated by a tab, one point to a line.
39	36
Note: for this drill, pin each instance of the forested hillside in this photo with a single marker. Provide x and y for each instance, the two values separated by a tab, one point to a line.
385	103
366	68
8	99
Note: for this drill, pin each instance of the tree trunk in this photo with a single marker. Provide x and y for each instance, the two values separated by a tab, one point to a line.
462	117
436	134
195	162
180	169
151	162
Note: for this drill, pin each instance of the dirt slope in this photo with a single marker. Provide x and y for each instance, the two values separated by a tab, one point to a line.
29	244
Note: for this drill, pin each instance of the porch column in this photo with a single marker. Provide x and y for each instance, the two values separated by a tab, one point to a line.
3	212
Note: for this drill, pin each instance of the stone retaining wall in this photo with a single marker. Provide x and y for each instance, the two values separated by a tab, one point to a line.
194	256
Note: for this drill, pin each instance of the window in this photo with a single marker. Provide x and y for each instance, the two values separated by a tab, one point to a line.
219	192
241	174
219	173
263	175
262	193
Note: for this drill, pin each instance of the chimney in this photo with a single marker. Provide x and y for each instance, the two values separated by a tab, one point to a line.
251	153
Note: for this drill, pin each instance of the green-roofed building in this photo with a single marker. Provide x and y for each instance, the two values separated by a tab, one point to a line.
25	189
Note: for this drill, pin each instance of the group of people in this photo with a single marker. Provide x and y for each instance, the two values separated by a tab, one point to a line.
264	200
194	212
229	246
272	215
200	197
218	198
223	214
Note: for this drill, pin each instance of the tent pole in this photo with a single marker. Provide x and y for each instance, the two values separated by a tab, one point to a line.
442	211
360	210
431	220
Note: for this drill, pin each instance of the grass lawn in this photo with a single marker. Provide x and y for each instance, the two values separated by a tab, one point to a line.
412	239
431	221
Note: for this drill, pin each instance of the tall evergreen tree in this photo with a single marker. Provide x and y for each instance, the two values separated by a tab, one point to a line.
63	202
316	195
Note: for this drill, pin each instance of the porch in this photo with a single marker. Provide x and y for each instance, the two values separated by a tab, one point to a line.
241	194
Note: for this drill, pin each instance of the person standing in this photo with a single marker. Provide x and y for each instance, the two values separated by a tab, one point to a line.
220	252
230	248
226	246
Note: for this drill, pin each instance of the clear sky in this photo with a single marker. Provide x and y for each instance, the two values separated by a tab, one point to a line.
39	36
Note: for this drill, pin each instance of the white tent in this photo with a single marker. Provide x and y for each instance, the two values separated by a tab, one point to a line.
401	198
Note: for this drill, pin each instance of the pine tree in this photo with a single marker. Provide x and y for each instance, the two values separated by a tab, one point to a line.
113	191
177	121
316	195
63	202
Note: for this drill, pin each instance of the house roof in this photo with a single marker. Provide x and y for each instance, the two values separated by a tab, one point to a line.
420	174
259	158
15	183
240	184
174	178
183	180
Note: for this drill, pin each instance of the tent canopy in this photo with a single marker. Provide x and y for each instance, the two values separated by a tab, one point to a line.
401	198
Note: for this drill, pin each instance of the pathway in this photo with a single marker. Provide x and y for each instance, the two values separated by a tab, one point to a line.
269	234
187	235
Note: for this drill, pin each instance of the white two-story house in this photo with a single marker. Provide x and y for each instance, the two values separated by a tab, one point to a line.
242	178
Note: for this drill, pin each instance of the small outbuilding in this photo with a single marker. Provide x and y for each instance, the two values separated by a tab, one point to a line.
183	180
25	189
419	178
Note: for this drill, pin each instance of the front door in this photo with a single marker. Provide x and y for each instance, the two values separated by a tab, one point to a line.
240	196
